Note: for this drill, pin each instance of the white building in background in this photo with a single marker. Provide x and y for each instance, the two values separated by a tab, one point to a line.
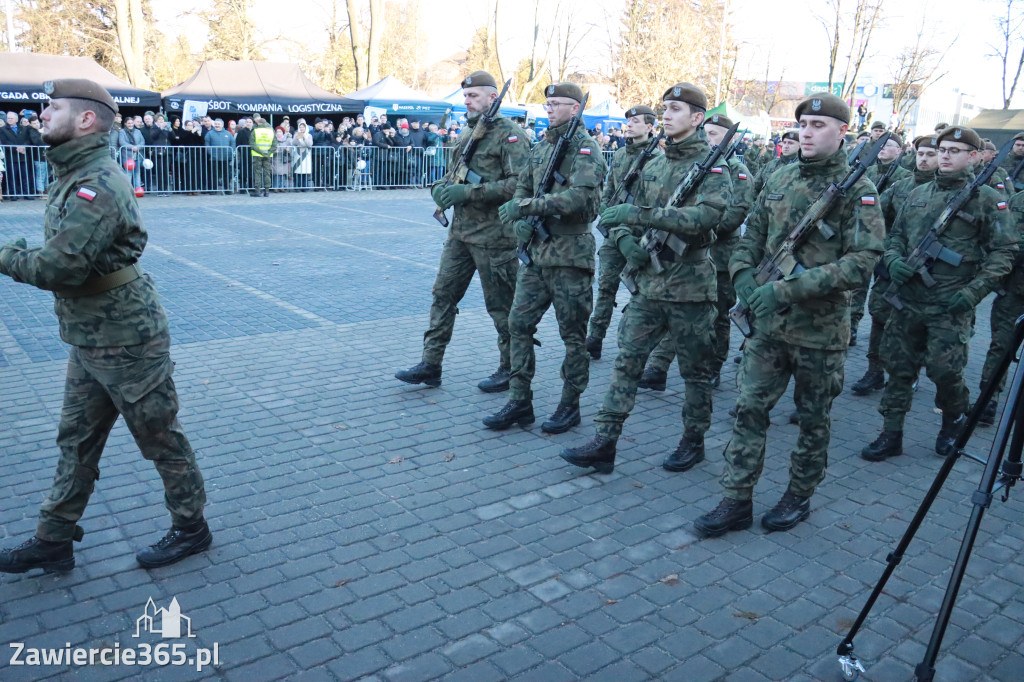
940	103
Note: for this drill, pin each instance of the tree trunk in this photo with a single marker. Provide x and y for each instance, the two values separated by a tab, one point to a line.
377	23
125	44
355	31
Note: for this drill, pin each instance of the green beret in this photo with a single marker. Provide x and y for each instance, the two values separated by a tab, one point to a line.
824	104
640	110
896	137
79	88
1019	136
689	93
719	120
479	79
570	90
926	142
989	145
791	135
960	134
878	124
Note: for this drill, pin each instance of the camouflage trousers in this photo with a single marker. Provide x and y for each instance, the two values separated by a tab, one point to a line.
1005	311
610	265
858	297
767	367
134	382
879	310
262	178
688	328
570	291
664	353
459	261
924	336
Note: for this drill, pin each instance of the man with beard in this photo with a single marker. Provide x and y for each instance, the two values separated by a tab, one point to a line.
119	364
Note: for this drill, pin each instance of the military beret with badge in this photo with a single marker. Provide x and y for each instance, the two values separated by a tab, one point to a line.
79	88
570	90
792	135
479	79
640	110
688	93
960	134
926	142
824	104
719	120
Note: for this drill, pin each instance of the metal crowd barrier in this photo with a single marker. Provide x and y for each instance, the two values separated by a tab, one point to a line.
25	171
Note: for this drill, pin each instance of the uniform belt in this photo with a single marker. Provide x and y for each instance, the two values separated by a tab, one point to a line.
115	279
691	255
559	229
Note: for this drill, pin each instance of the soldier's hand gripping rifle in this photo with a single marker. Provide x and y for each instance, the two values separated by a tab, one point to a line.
460	173
624	192
548	180
783	262
884	181
655	241
929	249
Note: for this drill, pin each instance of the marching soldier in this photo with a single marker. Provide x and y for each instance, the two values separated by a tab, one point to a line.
678	301
893	199
639	128
562	269
477	239
110	313
935	325
802	323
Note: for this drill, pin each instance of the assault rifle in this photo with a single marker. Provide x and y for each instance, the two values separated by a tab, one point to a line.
459	172
884	181
783	262
656	241
624	192
548	180
929	249
731	151
856	150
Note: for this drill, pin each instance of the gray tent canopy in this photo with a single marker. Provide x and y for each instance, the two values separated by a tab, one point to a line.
22	75
998	125
255	87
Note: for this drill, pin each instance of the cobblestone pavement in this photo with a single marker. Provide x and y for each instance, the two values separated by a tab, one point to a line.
364	528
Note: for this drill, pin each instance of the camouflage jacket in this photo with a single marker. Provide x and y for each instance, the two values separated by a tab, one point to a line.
570	208
895	195
92	227
766	170
1014	282
819	316
622	160
1010	164
1000	181
499	158
756	157
875	172
987	245
690	277
727	234
909	161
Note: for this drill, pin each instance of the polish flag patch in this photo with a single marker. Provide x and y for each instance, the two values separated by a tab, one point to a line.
1000	185
741	176
513	138
716	169
1001	205
585	150
867	201
86	193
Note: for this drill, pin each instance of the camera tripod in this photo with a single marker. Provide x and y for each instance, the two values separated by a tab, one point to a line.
1002	471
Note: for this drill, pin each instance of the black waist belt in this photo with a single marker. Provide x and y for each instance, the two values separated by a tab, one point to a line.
115	279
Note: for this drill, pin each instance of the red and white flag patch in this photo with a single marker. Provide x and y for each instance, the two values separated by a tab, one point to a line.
867	201
86	193
741	176
513	138
585	150
1000	185
1001	205
716	169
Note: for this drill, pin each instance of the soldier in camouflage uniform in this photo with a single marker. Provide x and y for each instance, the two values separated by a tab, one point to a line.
758	155
790	154
110	313
892	199
477	240
680	300
562	269
1008	306
1014	159
1000	181
655	376
887	157
936	323
808	341
639	128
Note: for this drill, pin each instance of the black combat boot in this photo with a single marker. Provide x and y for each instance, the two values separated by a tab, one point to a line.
988	415
654	379
888	444
873	380
729	515
52	557
738	359
594	346
790	510
176	545
689	454
422	373
515	412
496	383
948	432
566	416
794	417
598	453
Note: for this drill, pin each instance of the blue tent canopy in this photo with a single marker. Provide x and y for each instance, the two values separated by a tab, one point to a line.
510	110
391	96
606	113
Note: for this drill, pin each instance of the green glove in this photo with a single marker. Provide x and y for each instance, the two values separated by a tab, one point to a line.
961	302
618	215
744	284
435	193
456	195
603	207
509	212
762	301
899	272
523	230
636	255
7	254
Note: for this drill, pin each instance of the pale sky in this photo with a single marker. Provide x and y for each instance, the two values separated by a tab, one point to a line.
789	33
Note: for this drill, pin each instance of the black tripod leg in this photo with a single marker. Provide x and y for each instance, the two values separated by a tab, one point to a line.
847	660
